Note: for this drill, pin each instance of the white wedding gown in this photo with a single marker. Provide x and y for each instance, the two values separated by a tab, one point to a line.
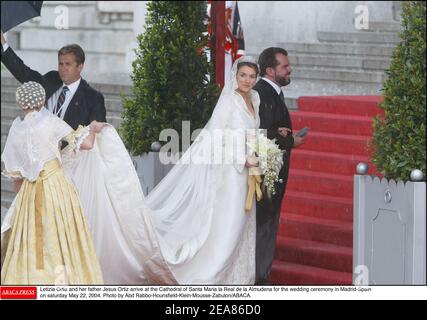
192	228
113	201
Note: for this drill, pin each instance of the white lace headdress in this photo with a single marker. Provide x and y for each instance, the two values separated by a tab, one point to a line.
30	95
231	81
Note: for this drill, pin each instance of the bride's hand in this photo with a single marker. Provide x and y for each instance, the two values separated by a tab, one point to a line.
252	161
97	126
283	131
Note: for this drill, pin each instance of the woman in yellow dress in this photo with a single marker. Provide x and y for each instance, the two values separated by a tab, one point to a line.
45	237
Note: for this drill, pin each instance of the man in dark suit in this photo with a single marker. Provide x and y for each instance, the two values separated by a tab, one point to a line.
275	71
67	94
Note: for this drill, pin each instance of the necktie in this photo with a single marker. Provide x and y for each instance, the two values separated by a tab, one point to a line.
282	96
61	100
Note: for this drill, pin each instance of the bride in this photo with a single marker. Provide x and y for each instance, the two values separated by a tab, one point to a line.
192	228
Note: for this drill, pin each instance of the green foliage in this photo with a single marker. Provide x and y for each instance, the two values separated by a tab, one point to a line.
399	137
170	75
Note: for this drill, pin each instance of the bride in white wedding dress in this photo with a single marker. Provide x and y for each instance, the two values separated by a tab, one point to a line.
192	228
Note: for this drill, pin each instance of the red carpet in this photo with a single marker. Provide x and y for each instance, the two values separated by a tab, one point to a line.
314	244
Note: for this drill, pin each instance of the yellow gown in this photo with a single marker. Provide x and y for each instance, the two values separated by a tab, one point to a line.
49	241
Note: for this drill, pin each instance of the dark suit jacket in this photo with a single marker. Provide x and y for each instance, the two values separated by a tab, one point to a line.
86	105
274	114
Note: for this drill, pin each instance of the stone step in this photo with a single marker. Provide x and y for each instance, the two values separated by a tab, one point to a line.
390	26
360	50
338	75
8	96
3	141
339	61
359	37
7	79
319	87
10	111
6	201
8	195
114	106
6	185
115	89
5	126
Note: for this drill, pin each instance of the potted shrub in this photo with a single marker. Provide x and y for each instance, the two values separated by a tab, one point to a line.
171	77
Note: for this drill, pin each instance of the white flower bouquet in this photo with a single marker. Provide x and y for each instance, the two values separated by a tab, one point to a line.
270	158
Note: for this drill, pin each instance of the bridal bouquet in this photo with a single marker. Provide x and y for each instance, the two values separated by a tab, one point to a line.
270	158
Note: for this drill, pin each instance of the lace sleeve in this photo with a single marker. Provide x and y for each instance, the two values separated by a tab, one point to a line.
76	138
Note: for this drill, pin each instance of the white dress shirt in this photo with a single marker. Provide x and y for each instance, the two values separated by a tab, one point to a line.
275	86
52	101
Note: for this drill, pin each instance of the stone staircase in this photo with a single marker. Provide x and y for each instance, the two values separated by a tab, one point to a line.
315	238
340	63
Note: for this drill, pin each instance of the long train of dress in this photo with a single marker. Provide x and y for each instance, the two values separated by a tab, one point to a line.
191	229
